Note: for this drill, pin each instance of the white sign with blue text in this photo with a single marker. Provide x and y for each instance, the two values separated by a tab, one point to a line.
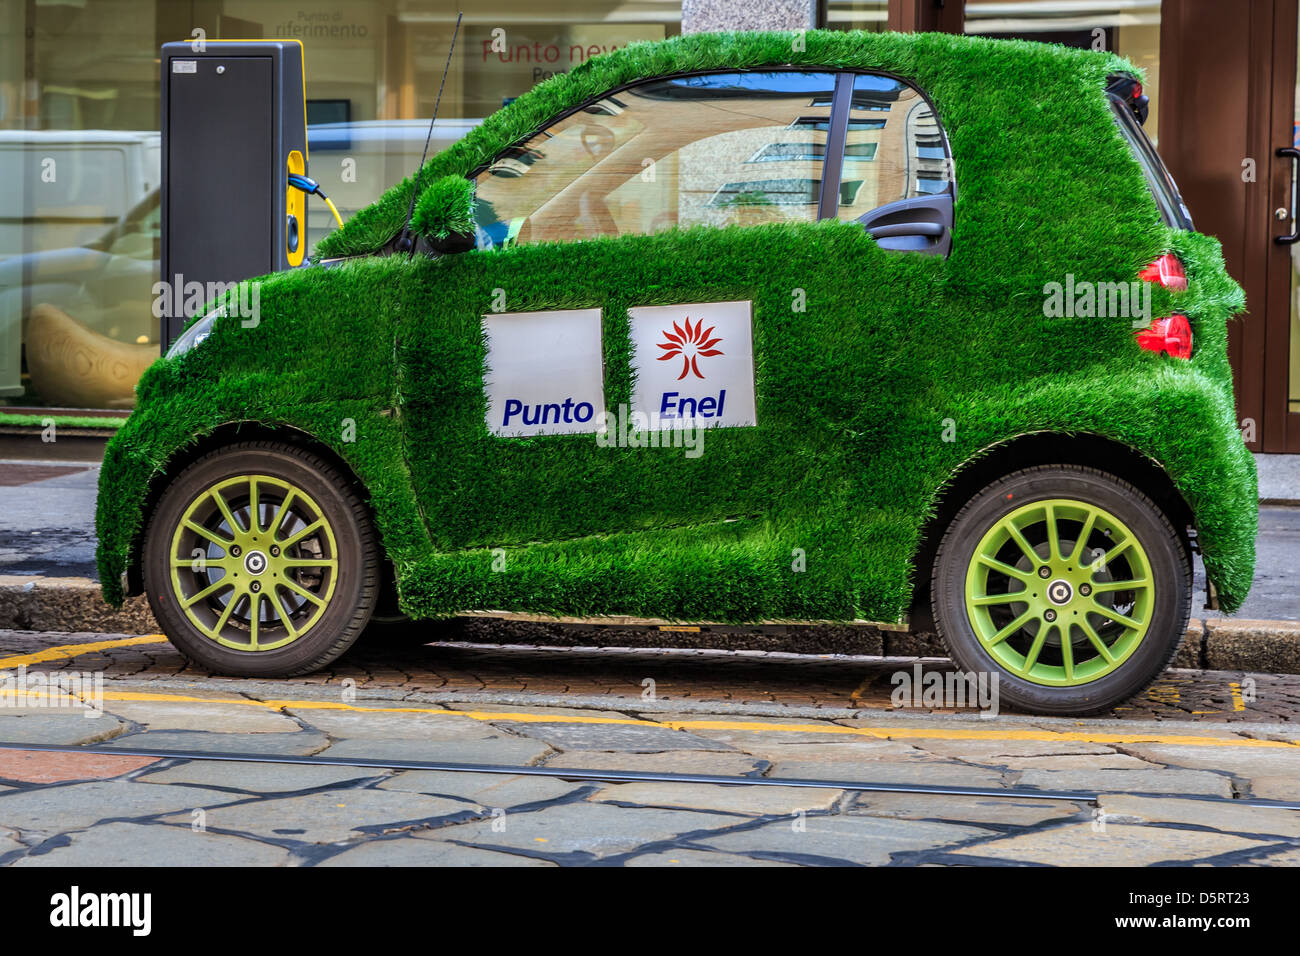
694	364
545	372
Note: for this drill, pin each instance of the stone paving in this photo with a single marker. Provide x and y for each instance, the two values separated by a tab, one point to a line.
1169	782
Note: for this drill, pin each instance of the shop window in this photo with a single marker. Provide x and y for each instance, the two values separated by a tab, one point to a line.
80	147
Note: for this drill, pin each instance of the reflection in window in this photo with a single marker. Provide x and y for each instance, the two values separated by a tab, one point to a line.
766	192
901	156
777	152
823	124
666	154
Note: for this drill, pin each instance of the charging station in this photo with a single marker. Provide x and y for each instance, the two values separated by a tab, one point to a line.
234	127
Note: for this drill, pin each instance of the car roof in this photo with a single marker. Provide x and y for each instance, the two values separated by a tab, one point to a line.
949	68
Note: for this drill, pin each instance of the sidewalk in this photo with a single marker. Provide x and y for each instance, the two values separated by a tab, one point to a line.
1279	479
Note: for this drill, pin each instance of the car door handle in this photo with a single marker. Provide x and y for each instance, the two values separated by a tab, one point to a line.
1294	236
885	231
918	224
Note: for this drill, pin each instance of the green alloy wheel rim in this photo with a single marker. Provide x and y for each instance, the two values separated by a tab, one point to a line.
254	563
1059	592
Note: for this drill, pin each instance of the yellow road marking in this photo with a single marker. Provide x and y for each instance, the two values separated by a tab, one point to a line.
64	651
877	733
1163	693
1036	734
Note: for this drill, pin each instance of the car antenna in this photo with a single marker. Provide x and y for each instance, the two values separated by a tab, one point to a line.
406	243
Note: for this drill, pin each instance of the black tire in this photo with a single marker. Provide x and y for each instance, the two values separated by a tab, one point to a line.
1170	570
356	575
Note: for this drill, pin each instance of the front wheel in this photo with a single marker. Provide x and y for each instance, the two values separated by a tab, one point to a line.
1067	583
260	561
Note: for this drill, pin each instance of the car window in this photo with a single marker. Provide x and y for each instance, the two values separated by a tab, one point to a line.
719	149
1173	211
894	148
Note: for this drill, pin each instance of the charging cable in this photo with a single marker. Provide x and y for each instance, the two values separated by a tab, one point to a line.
311	187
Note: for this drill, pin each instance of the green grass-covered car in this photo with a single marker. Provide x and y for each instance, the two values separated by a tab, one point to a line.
730	328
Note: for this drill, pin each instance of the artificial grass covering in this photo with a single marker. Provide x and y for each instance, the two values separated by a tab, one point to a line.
444	208
61	420
854	394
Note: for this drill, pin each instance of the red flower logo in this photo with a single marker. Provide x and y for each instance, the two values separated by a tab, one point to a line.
689	343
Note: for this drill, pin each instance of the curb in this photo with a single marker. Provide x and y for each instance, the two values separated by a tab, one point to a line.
68	604
33	603
25	443
1218	644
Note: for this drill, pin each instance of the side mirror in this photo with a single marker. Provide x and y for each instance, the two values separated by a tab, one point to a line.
444	214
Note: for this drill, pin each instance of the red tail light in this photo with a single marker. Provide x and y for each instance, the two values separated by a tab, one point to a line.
1168	271
1172	335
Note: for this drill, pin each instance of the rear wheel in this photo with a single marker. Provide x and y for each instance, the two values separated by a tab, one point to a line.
1069	584
260	561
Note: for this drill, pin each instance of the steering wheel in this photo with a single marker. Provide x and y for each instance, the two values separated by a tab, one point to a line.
598	141
594	217
591	219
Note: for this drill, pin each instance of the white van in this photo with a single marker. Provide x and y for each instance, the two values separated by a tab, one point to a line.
73	184
74	188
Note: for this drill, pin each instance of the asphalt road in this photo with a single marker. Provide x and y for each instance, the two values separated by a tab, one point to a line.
47	518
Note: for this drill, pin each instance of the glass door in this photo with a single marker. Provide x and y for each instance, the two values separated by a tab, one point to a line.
1293	311
1280	425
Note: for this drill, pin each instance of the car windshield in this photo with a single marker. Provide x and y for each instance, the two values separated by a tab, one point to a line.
1172	209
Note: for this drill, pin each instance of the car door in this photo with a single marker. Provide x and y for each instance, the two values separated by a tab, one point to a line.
655	256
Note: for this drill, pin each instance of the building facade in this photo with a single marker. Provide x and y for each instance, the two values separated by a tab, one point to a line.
79	142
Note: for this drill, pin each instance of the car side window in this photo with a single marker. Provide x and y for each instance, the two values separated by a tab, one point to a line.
720	149
894	148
